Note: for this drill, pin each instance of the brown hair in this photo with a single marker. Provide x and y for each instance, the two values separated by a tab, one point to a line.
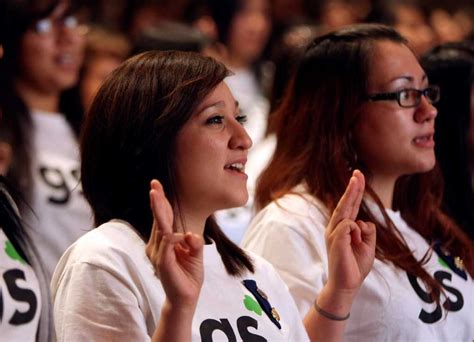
129	139
313	127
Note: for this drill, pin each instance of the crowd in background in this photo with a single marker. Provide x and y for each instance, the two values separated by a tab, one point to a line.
51	70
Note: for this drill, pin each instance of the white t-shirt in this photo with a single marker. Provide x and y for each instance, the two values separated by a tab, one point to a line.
20	299
390	306
105	288
61	213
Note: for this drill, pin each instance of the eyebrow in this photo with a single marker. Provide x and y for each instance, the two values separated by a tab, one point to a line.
408	78
219	104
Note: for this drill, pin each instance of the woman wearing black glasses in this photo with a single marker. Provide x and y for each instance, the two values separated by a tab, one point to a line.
360	99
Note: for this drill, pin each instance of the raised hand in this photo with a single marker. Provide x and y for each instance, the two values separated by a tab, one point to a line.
350	243
177	257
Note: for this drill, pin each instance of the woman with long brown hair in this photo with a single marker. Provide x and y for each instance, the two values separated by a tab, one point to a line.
360	99
169	273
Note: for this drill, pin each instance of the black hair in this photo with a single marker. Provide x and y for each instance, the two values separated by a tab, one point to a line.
451	67
16	125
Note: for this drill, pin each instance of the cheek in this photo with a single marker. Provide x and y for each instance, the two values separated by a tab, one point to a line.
197	158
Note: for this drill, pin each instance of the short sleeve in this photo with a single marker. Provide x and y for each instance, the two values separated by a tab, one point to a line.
93	304
297	250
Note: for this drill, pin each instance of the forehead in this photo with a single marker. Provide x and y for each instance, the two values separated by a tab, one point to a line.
390	60
220	96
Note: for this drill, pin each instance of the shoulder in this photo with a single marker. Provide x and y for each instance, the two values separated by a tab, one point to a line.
265	272
110	245
297	211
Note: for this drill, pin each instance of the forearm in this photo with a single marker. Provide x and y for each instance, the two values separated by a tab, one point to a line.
321	328
175	324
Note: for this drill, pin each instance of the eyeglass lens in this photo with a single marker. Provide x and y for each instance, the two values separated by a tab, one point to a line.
412	97
47	25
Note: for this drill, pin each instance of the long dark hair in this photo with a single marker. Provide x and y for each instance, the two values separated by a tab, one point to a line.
451	67
17	18
129	139
320	108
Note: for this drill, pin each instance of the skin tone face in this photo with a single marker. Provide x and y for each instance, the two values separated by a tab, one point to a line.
49	62
211	152
394	141
98	68
411	24
249	33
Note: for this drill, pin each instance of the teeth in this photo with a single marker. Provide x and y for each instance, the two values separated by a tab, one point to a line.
421	139
237	166
66	59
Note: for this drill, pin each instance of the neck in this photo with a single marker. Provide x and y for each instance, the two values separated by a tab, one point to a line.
236	62
42	100
384	187
190	221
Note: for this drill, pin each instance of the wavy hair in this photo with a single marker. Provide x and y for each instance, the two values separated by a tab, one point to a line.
314	146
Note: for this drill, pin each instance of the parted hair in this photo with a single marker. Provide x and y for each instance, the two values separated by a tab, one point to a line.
321	109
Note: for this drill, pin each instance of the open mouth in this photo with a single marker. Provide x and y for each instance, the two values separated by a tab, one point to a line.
66	60
239	167
424	140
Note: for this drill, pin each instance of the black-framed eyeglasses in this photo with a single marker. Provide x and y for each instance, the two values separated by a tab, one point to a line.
410	97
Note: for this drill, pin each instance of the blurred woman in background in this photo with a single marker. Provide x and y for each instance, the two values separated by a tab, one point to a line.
43	52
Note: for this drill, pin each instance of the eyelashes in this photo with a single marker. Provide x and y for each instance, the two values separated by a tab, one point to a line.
241	118
219	119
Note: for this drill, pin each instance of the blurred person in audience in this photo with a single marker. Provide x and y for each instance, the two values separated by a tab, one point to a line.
243	28
105	50
141	15
446	27
25	302
286	56
43	52
171	35
335	14
409	18
168	273
451	67
360	100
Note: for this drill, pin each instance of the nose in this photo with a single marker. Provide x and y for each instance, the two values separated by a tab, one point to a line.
239	138
259	23
425	111
72	35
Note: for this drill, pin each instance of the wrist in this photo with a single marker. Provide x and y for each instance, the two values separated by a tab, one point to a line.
178	311
337	303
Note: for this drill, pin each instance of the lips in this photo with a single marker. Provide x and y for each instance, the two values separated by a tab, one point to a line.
424	141
237	166
240	167
66	60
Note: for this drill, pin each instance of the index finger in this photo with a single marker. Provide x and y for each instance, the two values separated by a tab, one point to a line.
348	205
161	209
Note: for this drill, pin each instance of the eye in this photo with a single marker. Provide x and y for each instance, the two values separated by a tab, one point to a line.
242	119
44	26
405	95
214	120
70	22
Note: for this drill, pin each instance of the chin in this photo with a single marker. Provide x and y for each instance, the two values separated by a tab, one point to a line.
425	166
235	201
